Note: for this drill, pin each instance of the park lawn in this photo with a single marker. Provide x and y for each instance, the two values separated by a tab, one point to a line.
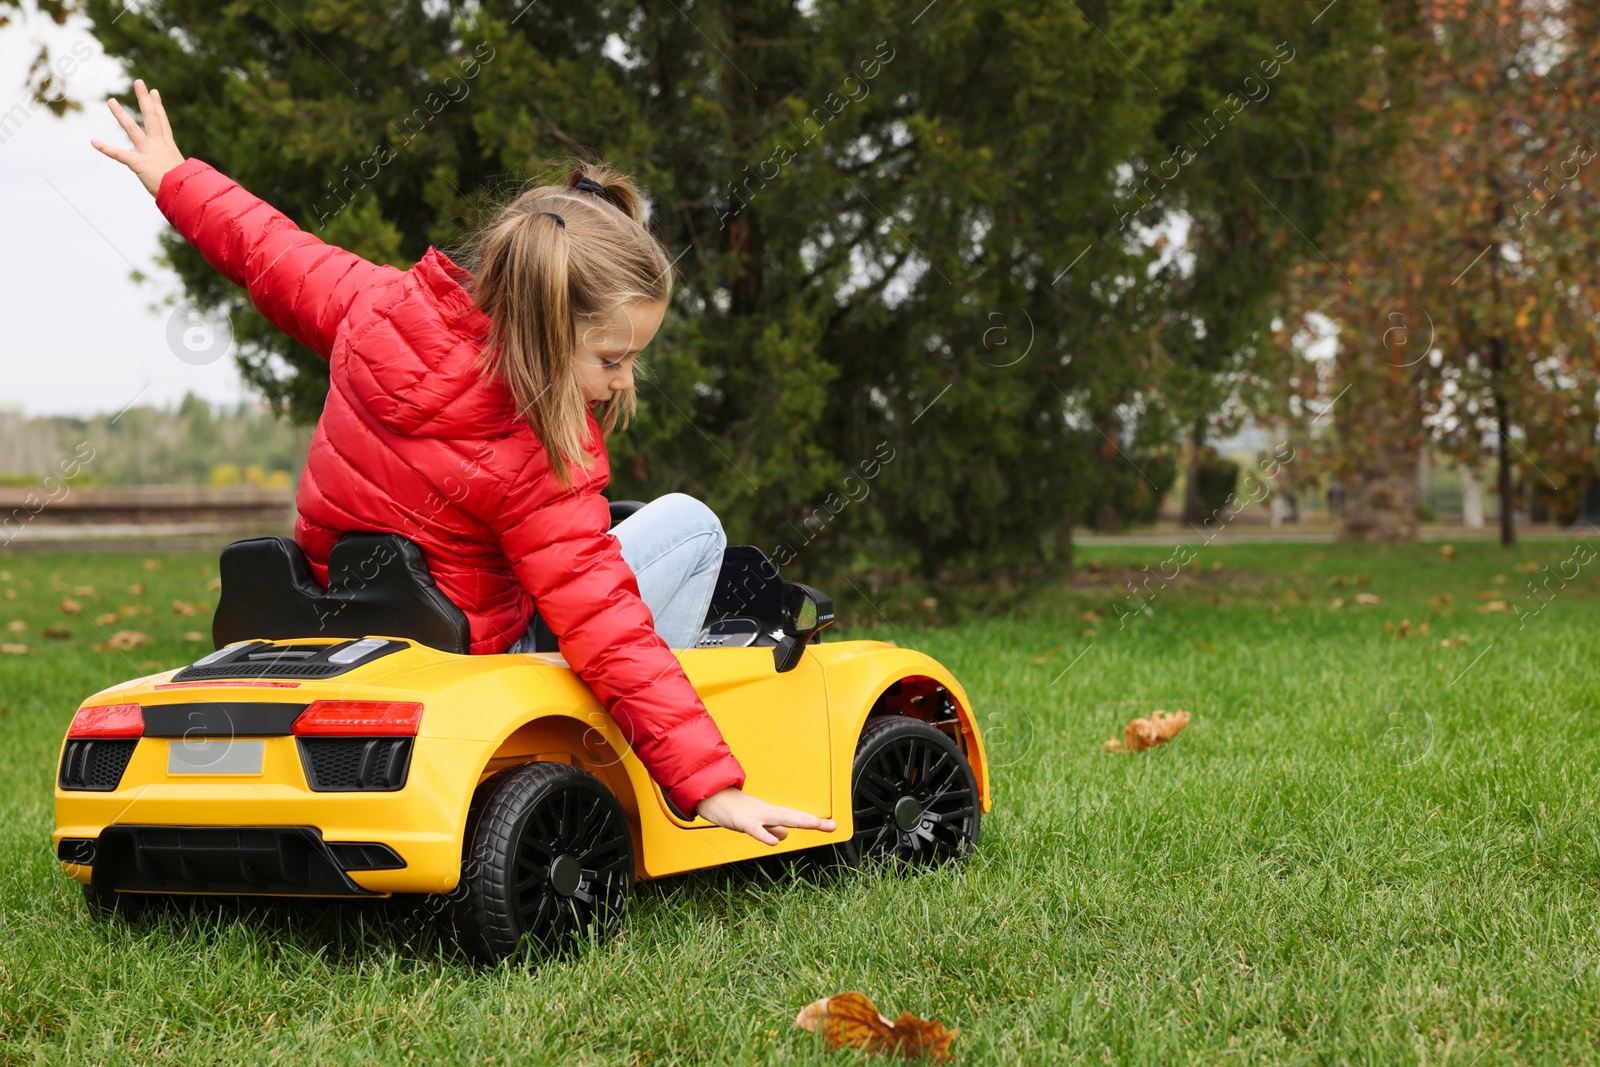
1366	847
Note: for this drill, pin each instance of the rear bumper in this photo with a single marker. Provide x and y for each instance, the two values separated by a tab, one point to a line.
269	833
271	860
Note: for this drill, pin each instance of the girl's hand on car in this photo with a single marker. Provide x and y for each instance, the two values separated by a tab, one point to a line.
153	152
735	809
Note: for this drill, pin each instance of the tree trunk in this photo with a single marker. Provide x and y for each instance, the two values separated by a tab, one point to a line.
1502	422
1381	498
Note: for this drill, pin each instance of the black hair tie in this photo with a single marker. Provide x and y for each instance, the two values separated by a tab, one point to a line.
559	220
588	185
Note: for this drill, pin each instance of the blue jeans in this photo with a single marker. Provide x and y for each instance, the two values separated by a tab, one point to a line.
674	545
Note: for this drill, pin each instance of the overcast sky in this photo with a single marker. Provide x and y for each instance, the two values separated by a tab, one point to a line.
79	335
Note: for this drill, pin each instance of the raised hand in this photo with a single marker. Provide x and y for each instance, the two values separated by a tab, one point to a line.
735	809
153	152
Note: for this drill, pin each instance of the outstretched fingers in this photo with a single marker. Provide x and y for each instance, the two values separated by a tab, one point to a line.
129	127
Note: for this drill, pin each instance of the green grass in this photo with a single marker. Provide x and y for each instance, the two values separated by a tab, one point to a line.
1365	848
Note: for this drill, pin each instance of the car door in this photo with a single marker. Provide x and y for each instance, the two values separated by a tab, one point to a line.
776	724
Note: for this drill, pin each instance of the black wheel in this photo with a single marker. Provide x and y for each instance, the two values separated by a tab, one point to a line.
105	903
547	857
913	795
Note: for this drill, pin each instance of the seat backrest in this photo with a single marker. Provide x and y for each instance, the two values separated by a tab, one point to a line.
378	583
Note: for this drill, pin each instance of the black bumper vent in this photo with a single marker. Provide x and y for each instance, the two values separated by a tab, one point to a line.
350	764
365	856
97	764
281	860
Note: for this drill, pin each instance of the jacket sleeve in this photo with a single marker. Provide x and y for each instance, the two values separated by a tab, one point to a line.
559	545
303	286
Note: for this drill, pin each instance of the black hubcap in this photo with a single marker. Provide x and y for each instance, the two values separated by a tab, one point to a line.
914	800
573	866
907	813
565	874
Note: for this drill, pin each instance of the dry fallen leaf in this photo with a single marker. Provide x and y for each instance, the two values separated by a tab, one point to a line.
1140	734
1049	654
123	641
1448	553
1453	642
182	607
13	650
134	609
193	635
1529	567
56	633
137	589
152	564
1336	602
1362	579
16	626
1498	579
71	607
106	618
1368	598
1496	607
1443	598
1336	580
850	1020
215	583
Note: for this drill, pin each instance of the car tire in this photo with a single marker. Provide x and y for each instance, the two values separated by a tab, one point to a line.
104	904
913	796
547	857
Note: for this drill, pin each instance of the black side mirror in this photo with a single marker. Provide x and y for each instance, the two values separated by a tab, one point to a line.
805	612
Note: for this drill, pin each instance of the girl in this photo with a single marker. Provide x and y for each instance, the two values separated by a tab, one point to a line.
458	408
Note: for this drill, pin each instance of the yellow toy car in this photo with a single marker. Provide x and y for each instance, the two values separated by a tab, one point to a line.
340	743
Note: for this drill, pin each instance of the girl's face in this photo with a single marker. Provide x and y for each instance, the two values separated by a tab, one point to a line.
608	344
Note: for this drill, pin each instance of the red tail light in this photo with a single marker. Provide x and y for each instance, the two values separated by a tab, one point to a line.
108	720
358	718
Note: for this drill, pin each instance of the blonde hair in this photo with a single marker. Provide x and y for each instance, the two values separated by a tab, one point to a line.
536	275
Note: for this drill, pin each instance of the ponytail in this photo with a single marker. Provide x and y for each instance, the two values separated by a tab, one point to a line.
555	253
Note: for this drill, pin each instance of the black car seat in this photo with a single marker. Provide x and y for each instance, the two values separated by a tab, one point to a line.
378	583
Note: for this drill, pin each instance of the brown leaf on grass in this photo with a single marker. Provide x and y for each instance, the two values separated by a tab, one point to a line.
1368	598
1362	579
152	564
193	635
1336	603
1443	598
1498	579
1529	567
1049	654
1140	734
215	583
182	607
10	649
124	641
134	609
1496	607
106	618
16	626
137	589
1453	642
71	607
1447	553
1337	580
850	1020
83	590
56	633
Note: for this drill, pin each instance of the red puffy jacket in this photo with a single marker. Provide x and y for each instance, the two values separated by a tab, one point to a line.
413	441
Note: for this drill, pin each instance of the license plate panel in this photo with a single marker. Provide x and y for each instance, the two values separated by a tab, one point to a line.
231	756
